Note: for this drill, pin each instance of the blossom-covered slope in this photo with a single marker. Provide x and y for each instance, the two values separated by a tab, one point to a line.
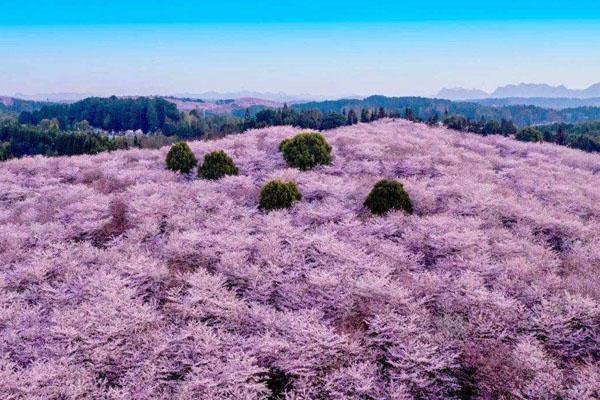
122	280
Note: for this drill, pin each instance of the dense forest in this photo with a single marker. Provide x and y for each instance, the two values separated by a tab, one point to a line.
110	114
544	102
18	140
154	114
95	124
424	108
10	105
584	136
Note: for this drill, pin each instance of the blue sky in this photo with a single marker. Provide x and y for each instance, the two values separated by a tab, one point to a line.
323	47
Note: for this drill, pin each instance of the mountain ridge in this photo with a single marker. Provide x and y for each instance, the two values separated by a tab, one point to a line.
521	90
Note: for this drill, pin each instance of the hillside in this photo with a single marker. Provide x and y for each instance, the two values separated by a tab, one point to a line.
122	280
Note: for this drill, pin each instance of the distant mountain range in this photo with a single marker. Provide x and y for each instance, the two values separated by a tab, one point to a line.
522	90
278	97
54	97
557	103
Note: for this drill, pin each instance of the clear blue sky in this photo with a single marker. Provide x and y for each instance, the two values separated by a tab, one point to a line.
321	47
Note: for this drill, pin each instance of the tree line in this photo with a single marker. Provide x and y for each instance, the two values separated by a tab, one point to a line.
86	127
110	114
17	140
425	108
583	136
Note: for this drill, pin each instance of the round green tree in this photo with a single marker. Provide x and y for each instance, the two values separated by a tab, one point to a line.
529	134
306	150
388	195
181	158
277	195
216	165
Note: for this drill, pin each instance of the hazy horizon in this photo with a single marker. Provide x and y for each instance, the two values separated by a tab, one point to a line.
325	49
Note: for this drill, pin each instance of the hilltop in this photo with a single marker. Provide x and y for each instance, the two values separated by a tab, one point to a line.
120	279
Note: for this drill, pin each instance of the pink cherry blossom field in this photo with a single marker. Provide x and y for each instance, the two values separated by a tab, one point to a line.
120	279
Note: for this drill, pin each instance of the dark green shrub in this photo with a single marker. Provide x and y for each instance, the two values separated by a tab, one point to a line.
306	150
529	134
387	195
181	158
216	165
283	143
276	195
456	122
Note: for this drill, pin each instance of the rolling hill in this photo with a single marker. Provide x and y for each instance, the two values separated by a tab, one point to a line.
122	280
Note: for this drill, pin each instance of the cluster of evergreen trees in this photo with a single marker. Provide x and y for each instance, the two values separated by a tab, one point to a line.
425	108
316	119
17	140
308	119
584	136
481	126
110	114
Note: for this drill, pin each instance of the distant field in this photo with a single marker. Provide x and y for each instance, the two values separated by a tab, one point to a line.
122	280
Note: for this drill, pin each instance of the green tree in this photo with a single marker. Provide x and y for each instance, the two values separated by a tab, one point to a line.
433	119
507	127
277	195
491	127
216	165
248	120
332	120
456	122
561	137
388	195
306	150
364	115
352	118
529	134
152	123
180	158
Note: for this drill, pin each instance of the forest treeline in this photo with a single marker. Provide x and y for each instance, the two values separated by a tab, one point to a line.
424	108
584	136
110	114
18	140
97	124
